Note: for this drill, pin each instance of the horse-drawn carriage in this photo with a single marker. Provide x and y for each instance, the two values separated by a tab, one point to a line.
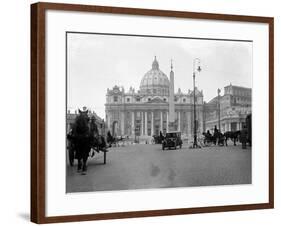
82	138
221	139
217	138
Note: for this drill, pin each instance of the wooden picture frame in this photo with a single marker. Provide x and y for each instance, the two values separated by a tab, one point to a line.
38	107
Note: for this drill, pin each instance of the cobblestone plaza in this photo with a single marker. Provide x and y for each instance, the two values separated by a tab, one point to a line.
143	166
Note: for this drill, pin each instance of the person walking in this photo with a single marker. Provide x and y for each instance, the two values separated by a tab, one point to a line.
243	137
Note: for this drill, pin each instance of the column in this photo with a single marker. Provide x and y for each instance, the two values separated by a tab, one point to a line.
145	124
161	121
122	123
201	122
229	126
189	123
167	122
133	123
186	123
152	123
141	123
108	122
179	121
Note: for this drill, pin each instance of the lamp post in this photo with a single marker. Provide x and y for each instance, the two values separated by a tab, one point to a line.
219	110
198	69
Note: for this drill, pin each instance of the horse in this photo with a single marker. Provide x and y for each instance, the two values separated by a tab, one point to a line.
220	139
82	139
233	135
71	147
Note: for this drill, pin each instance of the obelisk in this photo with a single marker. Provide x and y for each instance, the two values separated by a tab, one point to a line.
171	101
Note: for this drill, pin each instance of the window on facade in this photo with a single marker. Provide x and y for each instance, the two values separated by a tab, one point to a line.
138	99
184	100
164	99
154	91
175	99
115	98
128	99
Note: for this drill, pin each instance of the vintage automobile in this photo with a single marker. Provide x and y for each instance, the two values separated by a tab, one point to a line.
172	139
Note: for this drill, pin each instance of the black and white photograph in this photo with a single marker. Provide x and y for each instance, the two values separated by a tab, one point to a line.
157	112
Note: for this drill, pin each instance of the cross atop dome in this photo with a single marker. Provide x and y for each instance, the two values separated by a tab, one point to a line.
155	64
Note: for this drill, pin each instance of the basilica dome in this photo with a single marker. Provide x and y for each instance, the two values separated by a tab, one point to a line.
155	82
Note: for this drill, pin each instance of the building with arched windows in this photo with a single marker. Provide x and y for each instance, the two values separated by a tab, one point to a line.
148	110
156	107
229	112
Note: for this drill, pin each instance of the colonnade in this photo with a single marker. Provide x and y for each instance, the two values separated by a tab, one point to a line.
151	122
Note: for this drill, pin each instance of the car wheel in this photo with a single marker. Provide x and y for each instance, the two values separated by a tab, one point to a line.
163	147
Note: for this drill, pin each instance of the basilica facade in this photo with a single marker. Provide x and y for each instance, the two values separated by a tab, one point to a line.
147	110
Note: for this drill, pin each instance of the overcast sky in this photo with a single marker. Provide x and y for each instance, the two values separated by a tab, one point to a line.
97	62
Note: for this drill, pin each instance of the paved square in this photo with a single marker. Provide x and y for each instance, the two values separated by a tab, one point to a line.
147	166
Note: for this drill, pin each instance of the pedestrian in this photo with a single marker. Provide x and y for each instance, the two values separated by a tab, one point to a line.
243	137
216	131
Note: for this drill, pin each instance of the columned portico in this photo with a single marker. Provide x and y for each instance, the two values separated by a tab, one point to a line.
151	121
153	108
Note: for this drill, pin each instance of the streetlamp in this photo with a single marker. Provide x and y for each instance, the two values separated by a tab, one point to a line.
198	69
219	110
